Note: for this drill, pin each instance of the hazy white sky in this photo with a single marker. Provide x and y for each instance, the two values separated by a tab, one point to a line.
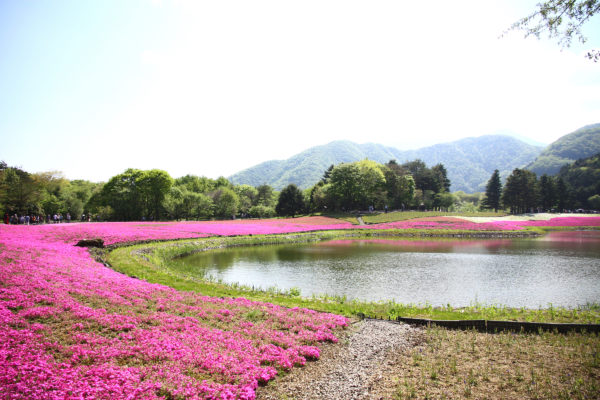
91	88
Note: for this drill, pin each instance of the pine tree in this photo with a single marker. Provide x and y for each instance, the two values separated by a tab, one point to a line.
493	192
546	192
562	194
441	175
520	193
326	175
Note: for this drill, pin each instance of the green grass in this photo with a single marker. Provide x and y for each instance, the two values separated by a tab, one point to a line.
150	262
404	215
344	216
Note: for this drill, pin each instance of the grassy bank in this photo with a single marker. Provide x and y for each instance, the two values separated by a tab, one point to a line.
468	364
150	262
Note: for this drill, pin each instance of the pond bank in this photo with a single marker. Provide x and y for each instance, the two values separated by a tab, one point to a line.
151	262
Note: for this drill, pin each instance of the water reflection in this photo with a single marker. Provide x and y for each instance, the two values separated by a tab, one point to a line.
562	268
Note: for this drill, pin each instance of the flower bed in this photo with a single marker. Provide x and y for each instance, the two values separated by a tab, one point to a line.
553	222
72	328
454	223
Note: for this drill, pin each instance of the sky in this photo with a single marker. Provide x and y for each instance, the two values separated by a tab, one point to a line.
209	88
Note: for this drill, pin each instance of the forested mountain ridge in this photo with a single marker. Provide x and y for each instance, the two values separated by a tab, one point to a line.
582	178
582	143
469	162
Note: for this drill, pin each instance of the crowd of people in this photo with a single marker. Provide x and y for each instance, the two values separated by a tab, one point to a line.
16	219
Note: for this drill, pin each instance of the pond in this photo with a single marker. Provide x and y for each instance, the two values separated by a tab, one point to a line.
561	268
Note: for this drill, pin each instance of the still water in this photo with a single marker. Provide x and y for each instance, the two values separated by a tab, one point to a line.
562	268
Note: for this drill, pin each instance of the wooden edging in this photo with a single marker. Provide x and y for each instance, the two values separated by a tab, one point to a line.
498	326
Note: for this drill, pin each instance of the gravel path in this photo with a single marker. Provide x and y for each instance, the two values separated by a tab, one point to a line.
360	367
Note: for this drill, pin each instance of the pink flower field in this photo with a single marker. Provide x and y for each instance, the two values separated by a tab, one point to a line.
72	328
500	225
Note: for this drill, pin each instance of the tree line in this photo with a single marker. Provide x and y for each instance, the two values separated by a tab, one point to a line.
131	196
154	195
577	186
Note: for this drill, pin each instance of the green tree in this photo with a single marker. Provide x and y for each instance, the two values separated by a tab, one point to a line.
248	196
200	205
345	185
560	19
265	196
371	184
222	182
327	174
441	176
173	202
425	178
547	192
123	195
73	206
520	191
51	204
582	179
399	185
291	201
594	202
260	211
320	198
444	200
196	184
226	202
562	194
96	204
20	191
153	186
493	192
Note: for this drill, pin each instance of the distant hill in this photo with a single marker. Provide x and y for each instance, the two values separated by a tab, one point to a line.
470	162
582	143
583	181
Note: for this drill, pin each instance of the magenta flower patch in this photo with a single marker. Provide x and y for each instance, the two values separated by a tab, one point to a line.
72	328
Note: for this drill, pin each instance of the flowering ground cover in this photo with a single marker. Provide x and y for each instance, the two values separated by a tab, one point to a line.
72	328
452	223
553	222
118	232
455	223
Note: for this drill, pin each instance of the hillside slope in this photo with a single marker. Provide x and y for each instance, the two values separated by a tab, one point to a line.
470	162
582	143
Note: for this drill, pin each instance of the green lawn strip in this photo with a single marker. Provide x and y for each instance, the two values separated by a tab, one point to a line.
344	216
404	215
150	261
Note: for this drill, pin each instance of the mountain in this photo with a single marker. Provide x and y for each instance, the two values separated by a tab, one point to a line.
470	162
582	143
583	182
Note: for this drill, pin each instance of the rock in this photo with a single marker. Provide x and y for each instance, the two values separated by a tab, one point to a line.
90	243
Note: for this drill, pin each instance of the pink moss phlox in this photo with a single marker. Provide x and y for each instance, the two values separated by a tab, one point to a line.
72	328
